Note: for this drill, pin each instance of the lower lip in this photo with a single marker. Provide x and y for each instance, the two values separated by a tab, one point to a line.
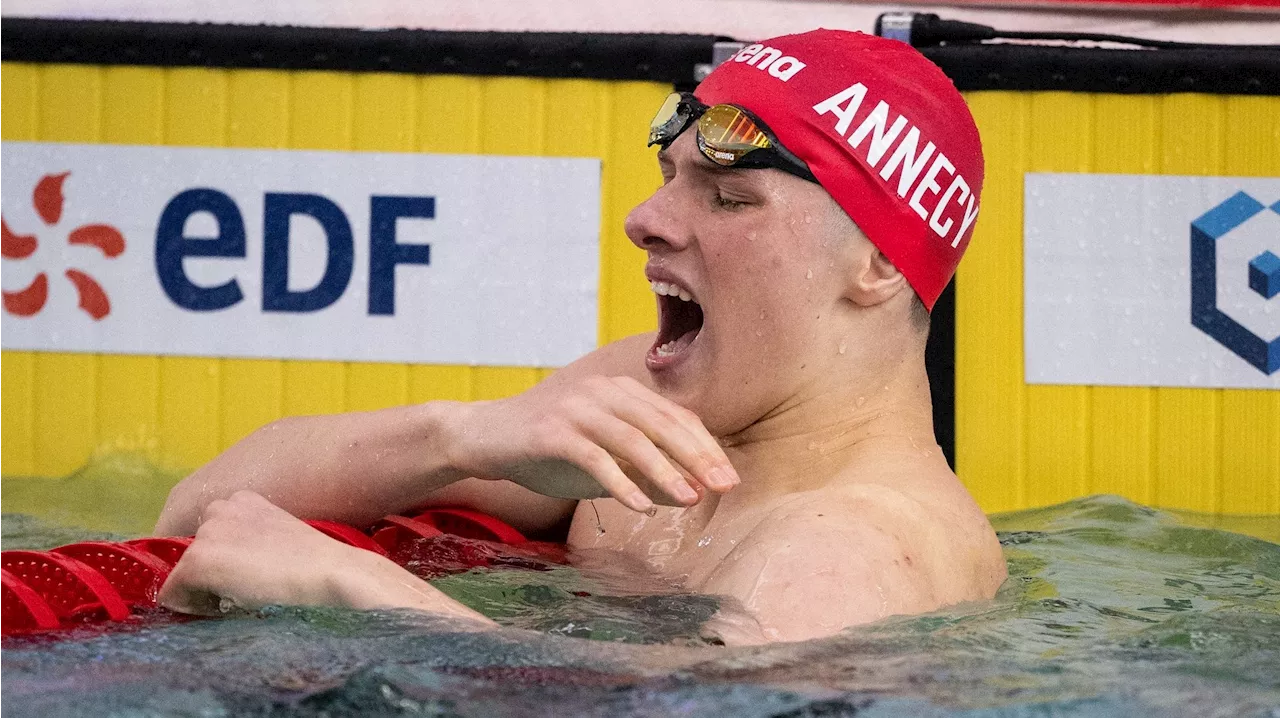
659	362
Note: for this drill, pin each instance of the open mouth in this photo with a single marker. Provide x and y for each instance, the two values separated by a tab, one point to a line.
679	321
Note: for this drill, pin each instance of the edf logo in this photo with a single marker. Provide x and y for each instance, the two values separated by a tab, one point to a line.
300	254
1233	217
172	246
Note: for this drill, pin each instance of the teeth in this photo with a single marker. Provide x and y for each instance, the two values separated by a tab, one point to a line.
671	290
667	349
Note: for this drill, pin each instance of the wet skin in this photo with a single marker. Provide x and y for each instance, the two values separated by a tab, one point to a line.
821	502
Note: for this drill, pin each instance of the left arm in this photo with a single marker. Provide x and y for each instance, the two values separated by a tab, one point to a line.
252	553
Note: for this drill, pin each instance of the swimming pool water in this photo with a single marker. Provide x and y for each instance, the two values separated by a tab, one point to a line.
1111	609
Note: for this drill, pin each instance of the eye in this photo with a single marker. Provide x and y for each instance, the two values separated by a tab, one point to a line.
726	203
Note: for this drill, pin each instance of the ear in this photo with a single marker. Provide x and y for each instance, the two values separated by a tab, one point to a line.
875	280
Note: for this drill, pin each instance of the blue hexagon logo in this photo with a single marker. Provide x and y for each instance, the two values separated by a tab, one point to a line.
1263	277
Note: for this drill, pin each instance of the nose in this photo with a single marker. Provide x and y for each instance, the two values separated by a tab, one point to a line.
655	224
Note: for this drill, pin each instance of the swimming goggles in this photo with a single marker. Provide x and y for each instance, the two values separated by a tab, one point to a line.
727	135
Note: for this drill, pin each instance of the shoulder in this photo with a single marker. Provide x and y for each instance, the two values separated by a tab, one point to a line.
624	357
832	518
827	561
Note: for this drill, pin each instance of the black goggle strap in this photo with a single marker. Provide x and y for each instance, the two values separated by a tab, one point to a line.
792	164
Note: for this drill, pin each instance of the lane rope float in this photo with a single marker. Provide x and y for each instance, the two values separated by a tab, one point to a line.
97	581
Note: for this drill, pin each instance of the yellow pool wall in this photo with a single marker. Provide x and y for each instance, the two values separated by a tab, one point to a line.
1017	446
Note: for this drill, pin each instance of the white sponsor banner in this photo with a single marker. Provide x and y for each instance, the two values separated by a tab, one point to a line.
1143	280
445	259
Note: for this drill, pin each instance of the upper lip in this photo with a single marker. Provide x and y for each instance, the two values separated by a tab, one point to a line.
658	274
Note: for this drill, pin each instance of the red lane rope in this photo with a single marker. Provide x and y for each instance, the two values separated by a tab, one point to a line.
24	609
166	548
471	524
392	531
73	589
135	574
349	535
99	580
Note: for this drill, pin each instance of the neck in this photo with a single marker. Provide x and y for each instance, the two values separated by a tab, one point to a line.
813	439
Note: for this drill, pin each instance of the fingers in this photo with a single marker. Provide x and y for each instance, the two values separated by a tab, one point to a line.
630	444
190	585
619	421
598	425
234	505
179	598
183	591
596	461
677	431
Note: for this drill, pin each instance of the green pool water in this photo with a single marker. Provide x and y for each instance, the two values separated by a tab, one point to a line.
1111	609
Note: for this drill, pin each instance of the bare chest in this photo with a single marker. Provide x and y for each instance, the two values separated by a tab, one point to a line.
680	545
958	555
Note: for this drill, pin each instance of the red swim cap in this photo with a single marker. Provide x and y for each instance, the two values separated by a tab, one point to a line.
883	129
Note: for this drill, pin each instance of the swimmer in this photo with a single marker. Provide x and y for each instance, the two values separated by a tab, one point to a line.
772	442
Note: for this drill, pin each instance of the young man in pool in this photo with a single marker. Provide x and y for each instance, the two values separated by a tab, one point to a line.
772	442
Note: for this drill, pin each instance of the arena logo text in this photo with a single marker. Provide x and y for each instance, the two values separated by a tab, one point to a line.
783	67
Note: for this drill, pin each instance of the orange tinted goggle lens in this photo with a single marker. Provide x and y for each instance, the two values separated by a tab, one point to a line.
728	134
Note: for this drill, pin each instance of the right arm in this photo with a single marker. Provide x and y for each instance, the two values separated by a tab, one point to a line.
560	439
354	468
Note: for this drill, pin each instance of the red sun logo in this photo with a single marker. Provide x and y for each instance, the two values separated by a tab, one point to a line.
48	200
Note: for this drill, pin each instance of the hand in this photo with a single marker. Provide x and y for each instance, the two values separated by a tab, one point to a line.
248	553
573	439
